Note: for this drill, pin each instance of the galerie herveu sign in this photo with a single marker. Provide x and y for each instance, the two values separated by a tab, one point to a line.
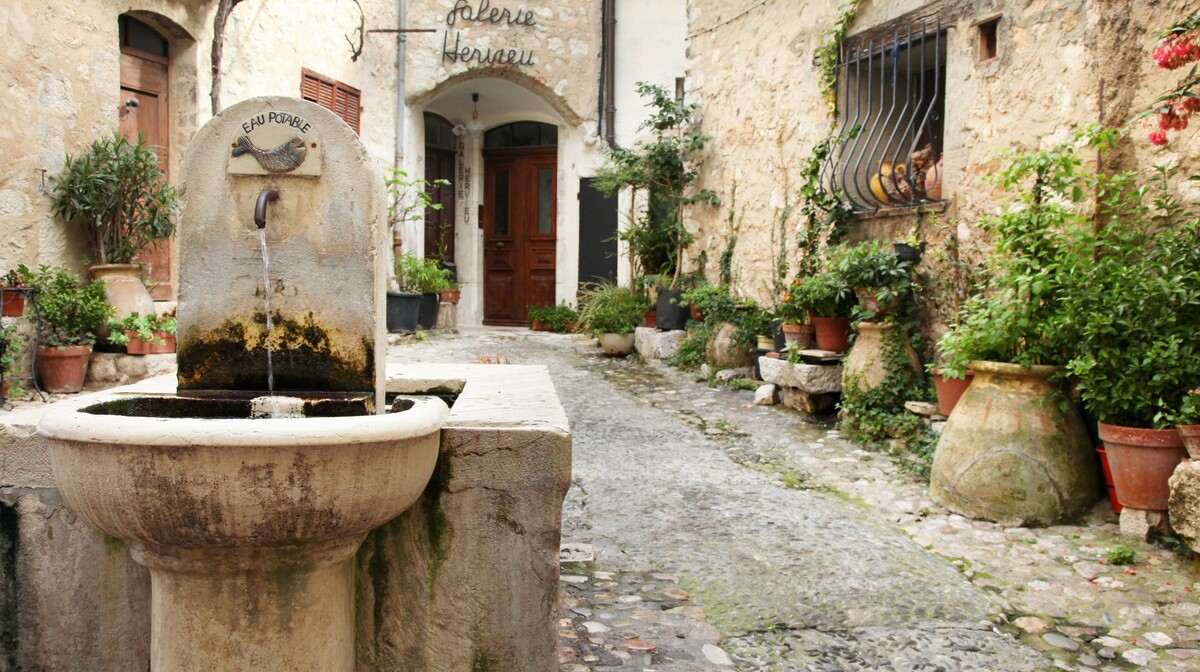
466	13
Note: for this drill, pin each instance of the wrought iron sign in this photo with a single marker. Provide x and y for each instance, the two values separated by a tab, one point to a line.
465	12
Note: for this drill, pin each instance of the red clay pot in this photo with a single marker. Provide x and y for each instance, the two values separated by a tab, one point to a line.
1191	439
695	314
63	370
12	301
833	333
451	295
1142	460
538	325
136	346
799	336
1108	481
651	318
165	345
950	390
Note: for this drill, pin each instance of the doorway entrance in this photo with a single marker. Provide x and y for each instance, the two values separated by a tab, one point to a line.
145	110
520	228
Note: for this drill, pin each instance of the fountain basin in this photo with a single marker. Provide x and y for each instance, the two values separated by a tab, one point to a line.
246	525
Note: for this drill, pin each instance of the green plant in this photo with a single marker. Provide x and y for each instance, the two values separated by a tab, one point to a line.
826	215
147	328
870	267
70	311
1121	555
665	168
120	196
1136	294
1189	409
556	318
610	309
824	294
1022	317
10	356
826	56
423	274
692	351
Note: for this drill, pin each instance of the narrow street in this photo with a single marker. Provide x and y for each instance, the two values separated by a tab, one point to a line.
803	551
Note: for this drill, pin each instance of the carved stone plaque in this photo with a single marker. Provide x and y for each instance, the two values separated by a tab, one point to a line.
275	143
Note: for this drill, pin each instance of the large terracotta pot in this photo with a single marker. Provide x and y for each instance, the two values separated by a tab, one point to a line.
1113	502
124	291
63	370
865	366
832	333
950	390
1142	461
1013	451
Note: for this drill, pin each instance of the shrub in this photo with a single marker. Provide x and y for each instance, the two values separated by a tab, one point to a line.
611	309
556	318
70	311
423	275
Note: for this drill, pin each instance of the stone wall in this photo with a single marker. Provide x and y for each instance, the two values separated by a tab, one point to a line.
752	71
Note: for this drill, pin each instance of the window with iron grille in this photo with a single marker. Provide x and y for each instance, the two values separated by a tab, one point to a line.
344	100
891	106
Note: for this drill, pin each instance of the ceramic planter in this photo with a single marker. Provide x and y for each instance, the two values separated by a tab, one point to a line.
403	309
798	336
865	366
950	390
451	295
651	319
1014	450
616	345
1191	439
1142	461
63	370
12	301
832	333
124	291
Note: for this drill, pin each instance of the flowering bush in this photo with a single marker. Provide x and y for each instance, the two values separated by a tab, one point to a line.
1180	45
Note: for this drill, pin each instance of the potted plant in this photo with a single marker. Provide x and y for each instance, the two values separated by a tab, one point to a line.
408	198
427	277
1015	425
1136	350
828	300
956	278
10	356
878	277
71	312
12	294
144	334
117	192
1187	423
552	318
611	312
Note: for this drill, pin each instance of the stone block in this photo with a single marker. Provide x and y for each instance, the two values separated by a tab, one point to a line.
724	352
1141	525
805	402
447	317
765	395
730	375
810	378
1184	503
655	344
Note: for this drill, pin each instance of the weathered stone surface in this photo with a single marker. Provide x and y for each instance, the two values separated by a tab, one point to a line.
865	367
1139	524
1184	503
724	352
447	316
815	404
811	378
730	375
765	395
655	344
111	368
922	408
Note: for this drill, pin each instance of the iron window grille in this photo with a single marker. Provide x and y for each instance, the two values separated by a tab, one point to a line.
891	103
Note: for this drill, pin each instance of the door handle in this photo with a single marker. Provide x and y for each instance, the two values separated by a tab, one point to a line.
500	244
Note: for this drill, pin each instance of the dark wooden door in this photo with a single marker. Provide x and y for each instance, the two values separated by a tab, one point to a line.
520	232
439	224
144	79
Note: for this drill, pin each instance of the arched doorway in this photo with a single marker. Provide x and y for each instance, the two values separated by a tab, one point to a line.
519	219
145	111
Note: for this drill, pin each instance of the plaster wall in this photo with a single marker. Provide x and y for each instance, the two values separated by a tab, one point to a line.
752	69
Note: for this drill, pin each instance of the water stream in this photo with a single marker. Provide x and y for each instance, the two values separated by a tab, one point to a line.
262	239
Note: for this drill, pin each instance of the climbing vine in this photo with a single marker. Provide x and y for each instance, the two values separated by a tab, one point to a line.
826	56
825	214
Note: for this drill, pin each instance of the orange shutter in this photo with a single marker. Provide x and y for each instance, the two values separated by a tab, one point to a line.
342	99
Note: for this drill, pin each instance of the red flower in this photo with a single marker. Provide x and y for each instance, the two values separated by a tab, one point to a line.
1158	138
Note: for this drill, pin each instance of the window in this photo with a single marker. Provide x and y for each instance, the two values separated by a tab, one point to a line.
343	100
891	106
987	39
521	134
137	35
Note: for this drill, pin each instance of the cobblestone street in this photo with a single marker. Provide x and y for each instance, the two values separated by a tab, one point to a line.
703	532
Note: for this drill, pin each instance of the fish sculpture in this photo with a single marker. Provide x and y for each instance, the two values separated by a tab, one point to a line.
283	159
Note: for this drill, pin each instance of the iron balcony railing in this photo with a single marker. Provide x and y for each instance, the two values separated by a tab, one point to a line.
891	119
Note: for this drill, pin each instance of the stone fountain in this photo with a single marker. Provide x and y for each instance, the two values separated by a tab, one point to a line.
248	525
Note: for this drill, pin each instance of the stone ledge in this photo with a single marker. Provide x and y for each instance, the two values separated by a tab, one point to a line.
655	344
808	378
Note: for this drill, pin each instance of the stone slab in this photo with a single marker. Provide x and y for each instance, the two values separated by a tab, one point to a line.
809	378
1141	525
655	344
814	404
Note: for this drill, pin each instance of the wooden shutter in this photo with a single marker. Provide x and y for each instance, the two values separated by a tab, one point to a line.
342	99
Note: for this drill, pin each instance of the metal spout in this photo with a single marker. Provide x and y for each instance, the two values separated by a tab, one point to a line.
260	207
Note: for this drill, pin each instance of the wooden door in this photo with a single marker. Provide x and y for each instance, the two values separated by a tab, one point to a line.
439	224
520	232
144	79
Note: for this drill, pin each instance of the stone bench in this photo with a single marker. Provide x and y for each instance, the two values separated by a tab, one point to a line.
811	388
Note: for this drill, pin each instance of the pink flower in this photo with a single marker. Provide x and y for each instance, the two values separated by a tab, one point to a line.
1158	138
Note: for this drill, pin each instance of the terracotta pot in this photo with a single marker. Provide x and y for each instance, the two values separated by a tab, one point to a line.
865	366
616	345
832	333
1013	452
1108	481
124	291
1191	439
165	344
63	370
12	301
695	314
538	325
136	346
3	391
774	355
950	390
798	336
651	318
451	295
1142	461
